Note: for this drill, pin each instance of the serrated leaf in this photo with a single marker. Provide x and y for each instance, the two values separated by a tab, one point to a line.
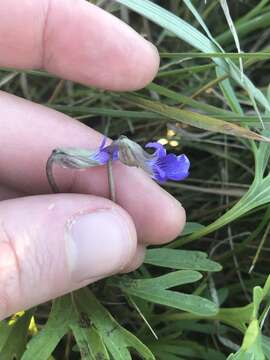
181	259
195	119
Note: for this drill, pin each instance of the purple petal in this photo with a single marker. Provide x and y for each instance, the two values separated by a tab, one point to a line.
183	168
101	156
103	142
105	153
115	152
175	167
159	174
160	150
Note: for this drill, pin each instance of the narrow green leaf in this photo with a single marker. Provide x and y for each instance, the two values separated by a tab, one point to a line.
200	20
85	110
266	288
186	100
195	119
87	337
116	339
262	155
185	302
97	345
245	28
4	333
266	346
41	346
226	55
154	290
189	349
195	38
252	344
172	23
163	355
166	281
185	71
236	317
190	227
227	14
257	195
225	85
15	343
181	259
89	342
228	92
257	299
81	337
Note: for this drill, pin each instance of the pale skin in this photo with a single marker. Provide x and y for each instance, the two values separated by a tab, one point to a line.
38	261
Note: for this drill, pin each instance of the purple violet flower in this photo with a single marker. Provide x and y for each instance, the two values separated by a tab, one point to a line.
159	165
167	167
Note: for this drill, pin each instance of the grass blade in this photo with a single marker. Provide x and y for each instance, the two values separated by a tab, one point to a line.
194	119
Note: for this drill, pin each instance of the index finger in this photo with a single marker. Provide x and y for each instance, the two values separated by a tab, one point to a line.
77	41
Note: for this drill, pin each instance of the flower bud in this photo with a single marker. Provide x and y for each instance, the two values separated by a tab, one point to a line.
132	154
75	158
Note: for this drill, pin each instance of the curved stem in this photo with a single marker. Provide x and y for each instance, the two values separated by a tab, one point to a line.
49	173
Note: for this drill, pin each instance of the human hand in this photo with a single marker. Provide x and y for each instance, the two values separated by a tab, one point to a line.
53	244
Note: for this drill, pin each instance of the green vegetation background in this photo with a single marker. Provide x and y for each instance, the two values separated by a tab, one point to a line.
206	295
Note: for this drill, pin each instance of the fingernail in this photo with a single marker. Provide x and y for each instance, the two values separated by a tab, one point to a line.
98	244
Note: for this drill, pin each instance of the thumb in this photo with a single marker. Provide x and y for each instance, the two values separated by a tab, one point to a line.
53	244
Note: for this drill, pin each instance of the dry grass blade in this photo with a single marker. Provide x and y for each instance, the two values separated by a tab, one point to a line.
195	119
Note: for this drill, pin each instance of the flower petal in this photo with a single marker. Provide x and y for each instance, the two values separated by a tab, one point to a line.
160	150
115	155
105	153
158	174
101	156
103	142
175	167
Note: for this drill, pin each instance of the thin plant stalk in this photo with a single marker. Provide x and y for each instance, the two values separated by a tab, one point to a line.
49	172
111	183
